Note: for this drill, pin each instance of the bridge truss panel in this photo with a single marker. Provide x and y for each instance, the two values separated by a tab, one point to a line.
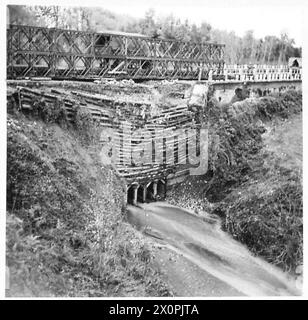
57	53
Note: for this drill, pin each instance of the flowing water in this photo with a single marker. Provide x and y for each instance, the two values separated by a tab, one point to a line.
201	240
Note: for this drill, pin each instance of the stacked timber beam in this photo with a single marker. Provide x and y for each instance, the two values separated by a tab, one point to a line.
135	122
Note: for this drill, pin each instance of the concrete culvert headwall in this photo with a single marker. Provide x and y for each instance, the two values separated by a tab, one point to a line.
146	192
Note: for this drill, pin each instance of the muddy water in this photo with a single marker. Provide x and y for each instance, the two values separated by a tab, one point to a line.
201	240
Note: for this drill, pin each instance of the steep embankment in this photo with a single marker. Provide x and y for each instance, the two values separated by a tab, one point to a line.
66	229
254	180
266	212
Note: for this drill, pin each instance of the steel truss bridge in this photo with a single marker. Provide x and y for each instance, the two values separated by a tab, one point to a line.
68	54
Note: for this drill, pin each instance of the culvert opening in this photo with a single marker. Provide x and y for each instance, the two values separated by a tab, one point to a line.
161	190
140	194
152	191
150	196
130	195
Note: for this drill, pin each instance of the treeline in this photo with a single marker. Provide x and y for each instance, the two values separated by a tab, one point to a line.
246	49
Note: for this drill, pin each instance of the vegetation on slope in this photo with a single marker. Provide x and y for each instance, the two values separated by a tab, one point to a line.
66	230
236	138
249	185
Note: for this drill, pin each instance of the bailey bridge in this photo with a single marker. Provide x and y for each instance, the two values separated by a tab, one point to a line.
150	119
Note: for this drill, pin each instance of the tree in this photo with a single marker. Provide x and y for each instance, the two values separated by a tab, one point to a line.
205	32
147	24
238	50
248	46
21	15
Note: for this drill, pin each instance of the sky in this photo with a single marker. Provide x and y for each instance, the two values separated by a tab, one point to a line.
265	17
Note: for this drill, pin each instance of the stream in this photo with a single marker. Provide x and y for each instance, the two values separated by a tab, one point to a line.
201	240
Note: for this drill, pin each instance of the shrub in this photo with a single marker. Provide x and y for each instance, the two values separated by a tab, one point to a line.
49	112
268	218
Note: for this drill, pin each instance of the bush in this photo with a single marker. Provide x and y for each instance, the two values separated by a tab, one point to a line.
49	112
282	106
268	218
87	128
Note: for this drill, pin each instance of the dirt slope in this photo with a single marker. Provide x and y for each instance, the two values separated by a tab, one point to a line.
66	229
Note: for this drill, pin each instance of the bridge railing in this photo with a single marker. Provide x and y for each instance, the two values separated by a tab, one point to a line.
261	73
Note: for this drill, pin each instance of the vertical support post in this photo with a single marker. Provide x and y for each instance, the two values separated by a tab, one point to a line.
9	35
200	72
126	195
144	194
154	188
52	56
135	194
